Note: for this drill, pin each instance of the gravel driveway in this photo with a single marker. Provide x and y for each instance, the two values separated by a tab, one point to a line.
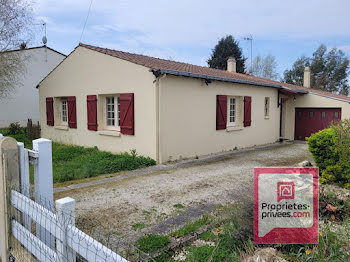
132	206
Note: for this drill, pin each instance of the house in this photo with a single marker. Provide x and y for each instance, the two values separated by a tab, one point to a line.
22	103
168	110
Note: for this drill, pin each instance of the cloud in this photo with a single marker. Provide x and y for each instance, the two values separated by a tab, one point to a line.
187	29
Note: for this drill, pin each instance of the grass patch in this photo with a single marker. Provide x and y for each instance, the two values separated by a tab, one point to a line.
199	253
77	162
138	226
190	227
207	236
179	206
152	242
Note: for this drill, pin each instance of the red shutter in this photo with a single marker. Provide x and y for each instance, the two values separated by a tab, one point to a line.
221	112
92	112
127	126
49	111
247	111
72	112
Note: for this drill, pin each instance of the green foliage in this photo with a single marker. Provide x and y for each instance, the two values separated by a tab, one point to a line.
331	151
332	246
152	242
179	206
74	162
207	236
190	227
77	162
225	48
139	226
202	253
15	129
329	70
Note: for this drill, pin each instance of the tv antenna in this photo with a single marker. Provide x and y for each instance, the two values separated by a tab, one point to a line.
250	38
44	39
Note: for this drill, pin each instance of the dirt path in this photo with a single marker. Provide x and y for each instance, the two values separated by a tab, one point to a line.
123	208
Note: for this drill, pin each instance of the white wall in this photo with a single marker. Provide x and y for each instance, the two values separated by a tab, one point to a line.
24	102
86	72
188	118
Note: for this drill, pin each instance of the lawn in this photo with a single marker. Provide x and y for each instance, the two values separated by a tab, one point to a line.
76	162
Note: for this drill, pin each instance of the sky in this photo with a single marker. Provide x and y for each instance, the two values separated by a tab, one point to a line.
187	30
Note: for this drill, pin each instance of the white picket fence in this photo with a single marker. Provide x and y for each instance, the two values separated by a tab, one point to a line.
56	237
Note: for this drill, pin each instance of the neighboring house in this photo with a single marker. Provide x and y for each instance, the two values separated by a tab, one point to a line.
23	102
168	110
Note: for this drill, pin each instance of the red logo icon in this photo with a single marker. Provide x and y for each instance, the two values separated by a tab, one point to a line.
285	190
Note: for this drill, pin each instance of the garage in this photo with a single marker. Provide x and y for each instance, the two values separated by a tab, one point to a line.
312	120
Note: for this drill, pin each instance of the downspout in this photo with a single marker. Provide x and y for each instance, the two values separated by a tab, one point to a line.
158	117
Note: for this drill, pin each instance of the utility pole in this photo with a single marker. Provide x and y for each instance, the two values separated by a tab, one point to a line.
250	38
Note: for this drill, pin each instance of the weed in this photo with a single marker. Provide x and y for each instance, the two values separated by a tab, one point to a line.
179	206
152	242
190	227
207	236
139	226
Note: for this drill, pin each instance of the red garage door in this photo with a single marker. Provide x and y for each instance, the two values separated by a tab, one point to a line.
312	120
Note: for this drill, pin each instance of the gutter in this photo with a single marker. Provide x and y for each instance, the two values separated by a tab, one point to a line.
160	72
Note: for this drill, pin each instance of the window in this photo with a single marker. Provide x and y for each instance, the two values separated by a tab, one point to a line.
267	107
323	114
300	114
231	111
311	114
112	109
64	117
336	115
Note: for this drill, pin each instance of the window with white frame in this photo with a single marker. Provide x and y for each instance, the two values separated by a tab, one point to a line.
64	115
267	107
112	112
231	111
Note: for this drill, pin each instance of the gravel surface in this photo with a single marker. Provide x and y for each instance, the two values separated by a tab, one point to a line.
136	205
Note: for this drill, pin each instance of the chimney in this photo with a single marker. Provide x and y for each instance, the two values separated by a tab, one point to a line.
307	77
231	64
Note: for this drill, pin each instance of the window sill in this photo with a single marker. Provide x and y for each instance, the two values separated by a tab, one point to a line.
61	127
234	128
108	133
267	117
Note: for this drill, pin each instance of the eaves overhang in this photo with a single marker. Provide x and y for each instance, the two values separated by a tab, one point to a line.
159	72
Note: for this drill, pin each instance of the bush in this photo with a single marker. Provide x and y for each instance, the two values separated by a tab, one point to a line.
331	151
15	128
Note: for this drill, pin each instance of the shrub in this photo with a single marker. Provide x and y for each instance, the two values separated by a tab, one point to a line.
15	128
331	151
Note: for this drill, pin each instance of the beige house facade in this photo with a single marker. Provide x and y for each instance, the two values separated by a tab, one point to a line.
168	110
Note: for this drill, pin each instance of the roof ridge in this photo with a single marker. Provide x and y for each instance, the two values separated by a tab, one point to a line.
197	69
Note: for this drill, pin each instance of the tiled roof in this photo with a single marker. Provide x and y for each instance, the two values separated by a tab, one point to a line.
168	65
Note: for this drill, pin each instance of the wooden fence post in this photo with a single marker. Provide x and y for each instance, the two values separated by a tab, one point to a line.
65	211
43	183
9	180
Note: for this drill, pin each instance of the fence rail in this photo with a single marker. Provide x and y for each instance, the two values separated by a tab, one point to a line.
45	230
69	235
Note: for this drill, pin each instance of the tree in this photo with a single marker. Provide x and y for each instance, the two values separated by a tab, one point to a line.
265	67
15	20
329	71
226	47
